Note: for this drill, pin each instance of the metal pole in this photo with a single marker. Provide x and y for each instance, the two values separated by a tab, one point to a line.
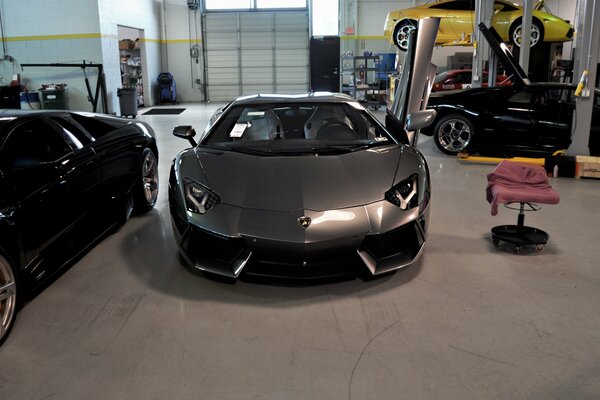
588	39
526	35
481	49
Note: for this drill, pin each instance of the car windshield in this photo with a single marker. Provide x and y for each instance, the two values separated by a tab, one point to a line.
441	77
297	128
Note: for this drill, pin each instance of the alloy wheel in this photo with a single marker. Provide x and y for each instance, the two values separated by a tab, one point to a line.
150	177
8	296
518	34
454	135
402	36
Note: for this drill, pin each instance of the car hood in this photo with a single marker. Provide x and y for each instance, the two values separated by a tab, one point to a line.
285	183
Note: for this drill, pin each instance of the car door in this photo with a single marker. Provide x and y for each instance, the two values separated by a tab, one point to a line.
40	168
512	117
81	169
552	114
119	154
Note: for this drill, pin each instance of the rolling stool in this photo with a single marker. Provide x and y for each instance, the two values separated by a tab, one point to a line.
526	185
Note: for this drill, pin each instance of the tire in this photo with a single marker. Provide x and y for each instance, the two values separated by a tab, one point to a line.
8	297
146	189
537	33
453	134
400	35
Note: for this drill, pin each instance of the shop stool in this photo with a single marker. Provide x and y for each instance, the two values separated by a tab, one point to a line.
526	185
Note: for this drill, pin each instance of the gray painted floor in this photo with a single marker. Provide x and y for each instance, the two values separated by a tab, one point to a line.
468	321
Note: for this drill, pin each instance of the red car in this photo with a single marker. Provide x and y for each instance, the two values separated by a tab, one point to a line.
461	79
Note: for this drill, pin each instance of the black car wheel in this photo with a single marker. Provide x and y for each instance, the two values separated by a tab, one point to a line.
453	133
146	193
8	297
401	32
516	33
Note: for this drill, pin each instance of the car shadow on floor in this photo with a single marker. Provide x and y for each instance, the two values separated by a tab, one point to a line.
151	254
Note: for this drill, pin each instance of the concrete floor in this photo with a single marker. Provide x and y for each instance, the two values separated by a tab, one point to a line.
468	321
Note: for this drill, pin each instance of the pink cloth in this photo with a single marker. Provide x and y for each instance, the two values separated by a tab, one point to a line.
514	182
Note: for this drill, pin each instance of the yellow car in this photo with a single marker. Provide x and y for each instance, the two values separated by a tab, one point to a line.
458	19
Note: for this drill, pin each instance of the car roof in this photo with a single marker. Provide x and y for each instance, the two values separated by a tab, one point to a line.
13	113
313	97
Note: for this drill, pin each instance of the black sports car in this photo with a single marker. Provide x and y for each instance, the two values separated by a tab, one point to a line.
300	186
525	118
65	180
533	118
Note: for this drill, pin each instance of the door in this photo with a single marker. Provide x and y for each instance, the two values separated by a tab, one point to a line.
552	117
255	52
325	64
511	117
33	157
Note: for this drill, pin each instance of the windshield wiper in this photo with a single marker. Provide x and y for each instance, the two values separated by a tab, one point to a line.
248	150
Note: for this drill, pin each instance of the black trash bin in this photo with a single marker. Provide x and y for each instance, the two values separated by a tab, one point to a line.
128	101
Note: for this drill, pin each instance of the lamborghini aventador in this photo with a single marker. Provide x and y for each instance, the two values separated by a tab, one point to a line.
302	186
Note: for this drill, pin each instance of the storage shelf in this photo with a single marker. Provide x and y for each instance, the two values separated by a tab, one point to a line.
367	68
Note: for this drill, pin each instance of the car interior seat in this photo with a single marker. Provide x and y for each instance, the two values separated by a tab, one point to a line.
322	116
261	125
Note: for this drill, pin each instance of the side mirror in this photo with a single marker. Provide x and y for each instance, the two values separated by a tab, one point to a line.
185	132
420	119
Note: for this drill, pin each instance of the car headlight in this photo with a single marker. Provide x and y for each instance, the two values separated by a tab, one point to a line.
199	199
404	194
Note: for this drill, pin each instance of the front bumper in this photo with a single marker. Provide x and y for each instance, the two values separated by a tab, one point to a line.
229	241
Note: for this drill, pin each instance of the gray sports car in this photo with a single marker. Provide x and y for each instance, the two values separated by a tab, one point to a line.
303	186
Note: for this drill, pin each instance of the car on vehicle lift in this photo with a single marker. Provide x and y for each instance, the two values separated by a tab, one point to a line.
458	17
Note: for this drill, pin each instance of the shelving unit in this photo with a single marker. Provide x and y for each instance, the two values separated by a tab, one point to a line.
131	70
363	83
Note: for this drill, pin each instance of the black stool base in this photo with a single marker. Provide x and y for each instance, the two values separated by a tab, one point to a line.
520	236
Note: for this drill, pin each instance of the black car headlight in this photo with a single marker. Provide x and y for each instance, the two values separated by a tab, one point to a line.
198	198
404	194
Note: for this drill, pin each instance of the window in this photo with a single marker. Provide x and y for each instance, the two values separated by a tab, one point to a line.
521	97
75	136
30	144
220	5
296	123
96	127
325	18
227	4
504	7
281	3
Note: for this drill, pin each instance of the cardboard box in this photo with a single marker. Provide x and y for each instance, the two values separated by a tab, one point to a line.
588	167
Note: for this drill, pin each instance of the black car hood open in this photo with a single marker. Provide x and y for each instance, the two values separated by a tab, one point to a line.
313	182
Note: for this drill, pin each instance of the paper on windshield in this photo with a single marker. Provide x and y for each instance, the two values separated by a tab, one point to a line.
238	130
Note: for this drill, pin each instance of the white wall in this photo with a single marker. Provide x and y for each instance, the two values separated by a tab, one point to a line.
44	31
183	30
50	31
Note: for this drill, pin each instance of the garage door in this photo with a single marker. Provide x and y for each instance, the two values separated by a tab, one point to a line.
256	52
